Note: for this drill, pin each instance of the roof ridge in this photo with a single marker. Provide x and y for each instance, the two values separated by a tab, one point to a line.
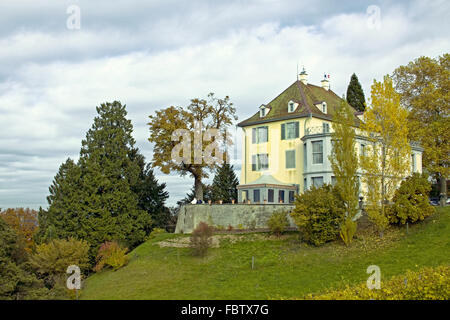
302	93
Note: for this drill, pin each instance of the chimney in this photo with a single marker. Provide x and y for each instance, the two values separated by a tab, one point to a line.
325	83
303	76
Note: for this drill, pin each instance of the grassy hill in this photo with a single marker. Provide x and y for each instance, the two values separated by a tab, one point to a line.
284	267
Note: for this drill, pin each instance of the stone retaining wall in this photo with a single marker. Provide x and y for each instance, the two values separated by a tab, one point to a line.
223	215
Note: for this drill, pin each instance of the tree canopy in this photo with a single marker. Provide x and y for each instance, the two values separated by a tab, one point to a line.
355	94
224	184
109	194
387	157
344	162
194	120
424	87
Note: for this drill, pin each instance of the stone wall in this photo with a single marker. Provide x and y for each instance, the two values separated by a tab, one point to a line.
236	215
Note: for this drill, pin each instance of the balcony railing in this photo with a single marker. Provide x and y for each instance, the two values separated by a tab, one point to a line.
317	130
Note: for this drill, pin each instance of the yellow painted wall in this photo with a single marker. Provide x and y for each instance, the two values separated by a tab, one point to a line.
276	148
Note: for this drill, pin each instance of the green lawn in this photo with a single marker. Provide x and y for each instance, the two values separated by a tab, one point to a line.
284	267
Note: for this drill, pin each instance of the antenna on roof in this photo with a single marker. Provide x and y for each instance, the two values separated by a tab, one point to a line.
297	70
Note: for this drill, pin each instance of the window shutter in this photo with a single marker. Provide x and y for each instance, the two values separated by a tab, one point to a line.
267	134
254	135
254	163
283	131
297	129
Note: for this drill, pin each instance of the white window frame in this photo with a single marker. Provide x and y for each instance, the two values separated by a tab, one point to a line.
293	105
315	178
313	143
258	165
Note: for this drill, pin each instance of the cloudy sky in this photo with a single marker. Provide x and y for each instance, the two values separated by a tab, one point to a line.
159	53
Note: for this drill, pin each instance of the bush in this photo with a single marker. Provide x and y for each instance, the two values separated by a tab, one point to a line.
52	259
278	222
318	214
111	254
201	239
411	202
155	232
426	284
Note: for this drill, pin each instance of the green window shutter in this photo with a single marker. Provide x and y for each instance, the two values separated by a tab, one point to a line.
267	134
283	131
254	163
254	135
297	129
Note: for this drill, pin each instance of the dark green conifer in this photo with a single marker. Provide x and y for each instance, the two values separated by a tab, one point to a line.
355	94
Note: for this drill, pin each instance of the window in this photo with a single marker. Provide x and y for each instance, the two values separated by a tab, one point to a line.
270	195
333	180
290	130
291	196
260	134
304	157
290	159
244	195
281	196
413	162
326	127
260	162
317	181
291	106
262	112
324	107
317	149
362	150
256	195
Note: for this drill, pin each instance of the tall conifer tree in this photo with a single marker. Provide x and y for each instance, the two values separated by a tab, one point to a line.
224	184
355	94
110	207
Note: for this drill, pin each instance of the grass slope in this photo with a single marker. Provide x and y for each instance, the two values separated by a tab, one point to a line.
284	267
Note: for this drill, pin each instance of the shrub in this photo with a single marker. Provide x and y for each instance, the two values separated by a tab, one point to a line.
426	284
155	232
319	213
278	222
411	201
251	225
348	230
17	282
52	259
111	254
220	228
201	239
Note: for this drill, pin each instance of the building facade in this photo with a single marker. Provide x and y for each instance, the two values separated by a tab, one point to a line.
287	144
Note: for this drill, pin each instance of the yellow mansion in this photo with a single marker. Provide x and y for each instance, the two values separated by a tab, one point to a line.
287	142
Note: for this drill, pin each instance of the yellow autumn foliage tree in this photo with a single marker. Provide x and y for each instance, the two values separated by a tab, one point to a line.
424	86
387	159
344	162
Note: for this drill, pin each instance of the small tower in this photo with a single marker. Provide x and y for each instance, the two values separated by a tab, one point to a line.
303	76
325	83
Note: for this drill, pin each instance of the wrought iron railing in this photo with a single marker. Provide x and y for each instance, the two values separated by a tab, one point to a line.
317	130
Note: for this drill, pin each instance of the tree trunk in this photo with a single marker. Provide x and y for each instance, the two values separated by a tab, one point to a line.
198	188
443	190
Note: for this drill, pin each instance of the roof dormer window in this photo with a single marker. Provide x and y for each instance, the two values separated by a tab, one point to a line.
292	106
263	111
324	107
